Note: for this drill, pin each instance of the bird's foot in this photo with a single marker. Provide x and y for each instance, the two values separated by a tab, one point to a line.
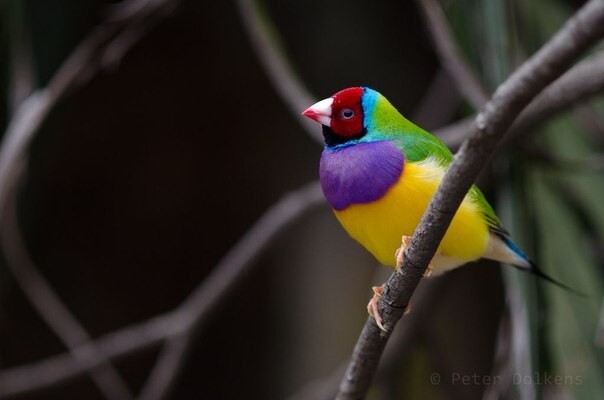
400	256
372	306
400	252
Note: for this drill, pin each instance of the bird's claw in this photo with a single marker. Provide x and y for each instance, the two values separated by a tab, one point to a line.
400	252
373	310
400	256
372	306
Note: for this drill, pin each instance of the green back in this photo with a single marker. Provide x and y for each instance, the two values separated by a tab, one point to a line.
384	122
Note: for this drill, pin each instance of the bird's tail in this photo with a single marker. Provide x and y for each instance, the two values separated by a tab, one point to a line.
526	264
535	270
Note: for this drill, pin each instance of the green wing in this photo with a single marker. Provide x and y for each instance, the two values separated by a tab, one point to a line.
488	212
384	122
418	144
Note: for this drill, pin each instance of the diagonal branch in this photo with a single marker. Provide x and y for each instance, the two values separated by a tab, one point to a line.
81	65
281	74
30	112
184	321
466	81
168	366
576	36
230	270
61	368
584	80
49	305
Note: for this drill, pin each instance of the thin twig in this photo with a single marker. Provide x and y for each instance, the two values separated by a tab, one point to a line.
230	270
169	364
50	307
584	80
58	369
466	81
107	44
186	319
556	56
76	70
30	112
264	40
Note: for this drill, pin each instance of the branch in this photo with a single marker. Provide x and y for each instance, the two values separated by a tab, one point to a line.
57	369
168	366
186	320
30	112
76	70
50	307
265	42
104	48
231	269
578	33
467	83
584	80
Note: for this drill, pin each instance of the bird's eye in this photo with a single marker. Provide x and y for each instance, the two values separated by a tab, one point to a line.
347	113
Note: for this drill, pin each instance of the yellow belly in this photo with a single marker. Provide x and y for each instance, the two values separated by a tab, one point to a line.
379	225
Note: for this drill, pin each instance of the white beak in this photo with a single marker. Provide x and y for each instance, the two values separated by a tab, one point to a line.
320	111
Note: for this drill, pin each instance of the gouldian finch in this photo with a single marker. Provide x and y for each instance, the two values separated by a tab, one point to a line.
379	171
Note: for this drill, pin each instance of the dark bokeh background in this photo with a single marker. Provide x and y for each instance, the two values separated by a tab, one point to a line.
141	180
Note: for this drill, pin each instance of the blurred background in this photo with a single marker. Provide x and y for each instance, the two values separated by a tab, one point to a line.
168	128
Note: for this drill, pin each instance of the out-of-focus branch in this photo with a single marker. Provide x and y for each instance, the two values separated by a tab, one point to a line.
48	304
57	369
265	42
466	81
169	364
584	80
184	321
103	48
230	270
78	68
556	56
30	110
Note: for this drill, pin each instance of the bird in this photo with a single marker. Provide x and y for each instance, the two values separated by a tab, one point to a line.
378	172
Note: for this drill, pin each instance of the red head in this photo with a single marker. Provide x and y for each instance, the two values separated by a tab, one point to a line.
341	113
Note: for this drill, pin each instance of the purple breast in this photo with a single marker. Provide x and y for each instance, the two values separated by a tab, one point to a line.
360	173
